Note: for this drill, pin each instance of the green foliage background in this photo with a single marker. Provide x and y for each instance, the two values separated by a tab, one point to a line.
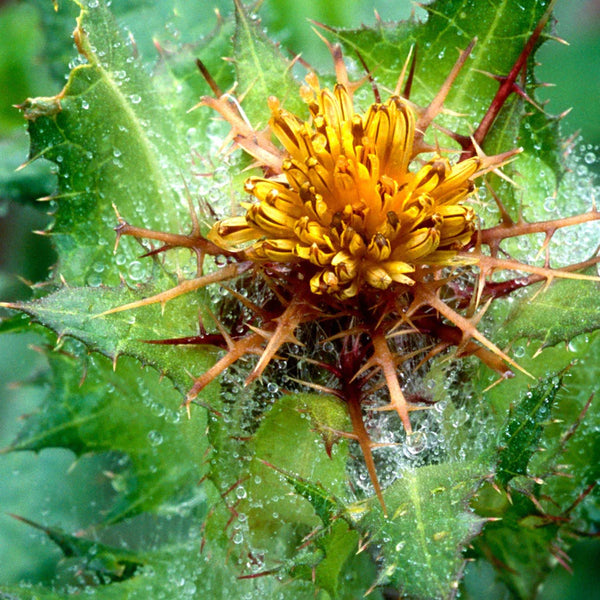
49	487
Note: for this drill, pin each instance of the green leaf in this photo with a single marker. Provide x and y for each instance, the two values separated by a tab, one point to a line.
342	563
115	140
502	30
325	505
541	513
175	571
94	409
428	525
570	441
261	69
74	312
567	309
287	442
518	543
98	560
523	429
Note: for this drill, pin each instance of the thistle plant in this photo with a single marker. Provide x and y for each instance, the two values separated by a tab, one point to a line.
337	313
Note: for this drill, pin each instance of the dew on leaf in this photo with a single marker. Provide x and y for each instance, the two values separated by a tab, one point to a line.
518	351
94	280
136	270
189	588
550	204
238	538
155	438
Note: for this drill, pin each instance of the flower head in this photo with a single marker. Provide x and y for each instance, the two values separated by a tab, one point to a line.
354	203
359	210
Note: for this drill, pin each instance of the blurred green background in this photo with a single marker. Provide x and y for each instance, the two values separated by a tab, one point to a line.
48	487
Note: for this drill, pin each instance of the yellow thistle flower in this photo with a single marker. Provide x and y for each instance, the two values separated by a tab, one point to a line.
359	211
355	201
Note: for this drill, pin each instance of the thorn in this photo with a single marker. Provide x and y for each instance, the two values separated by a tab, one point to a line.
209	79
563	114
364	441
588	490
316	386
374	87
134	47
411	60
428	297
555	38
435	106
341	73
23	165
11	305
184	287
118	229
567	435
296	313
506	88
383	357
251	344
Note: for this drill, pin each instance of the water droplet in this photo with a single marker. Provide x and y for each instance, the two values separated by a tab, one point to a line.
94	280
519	352
238	538
550	204
240	492
136	270
135	98
589	158
440	406
189	589
460	417
414	444
155	438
